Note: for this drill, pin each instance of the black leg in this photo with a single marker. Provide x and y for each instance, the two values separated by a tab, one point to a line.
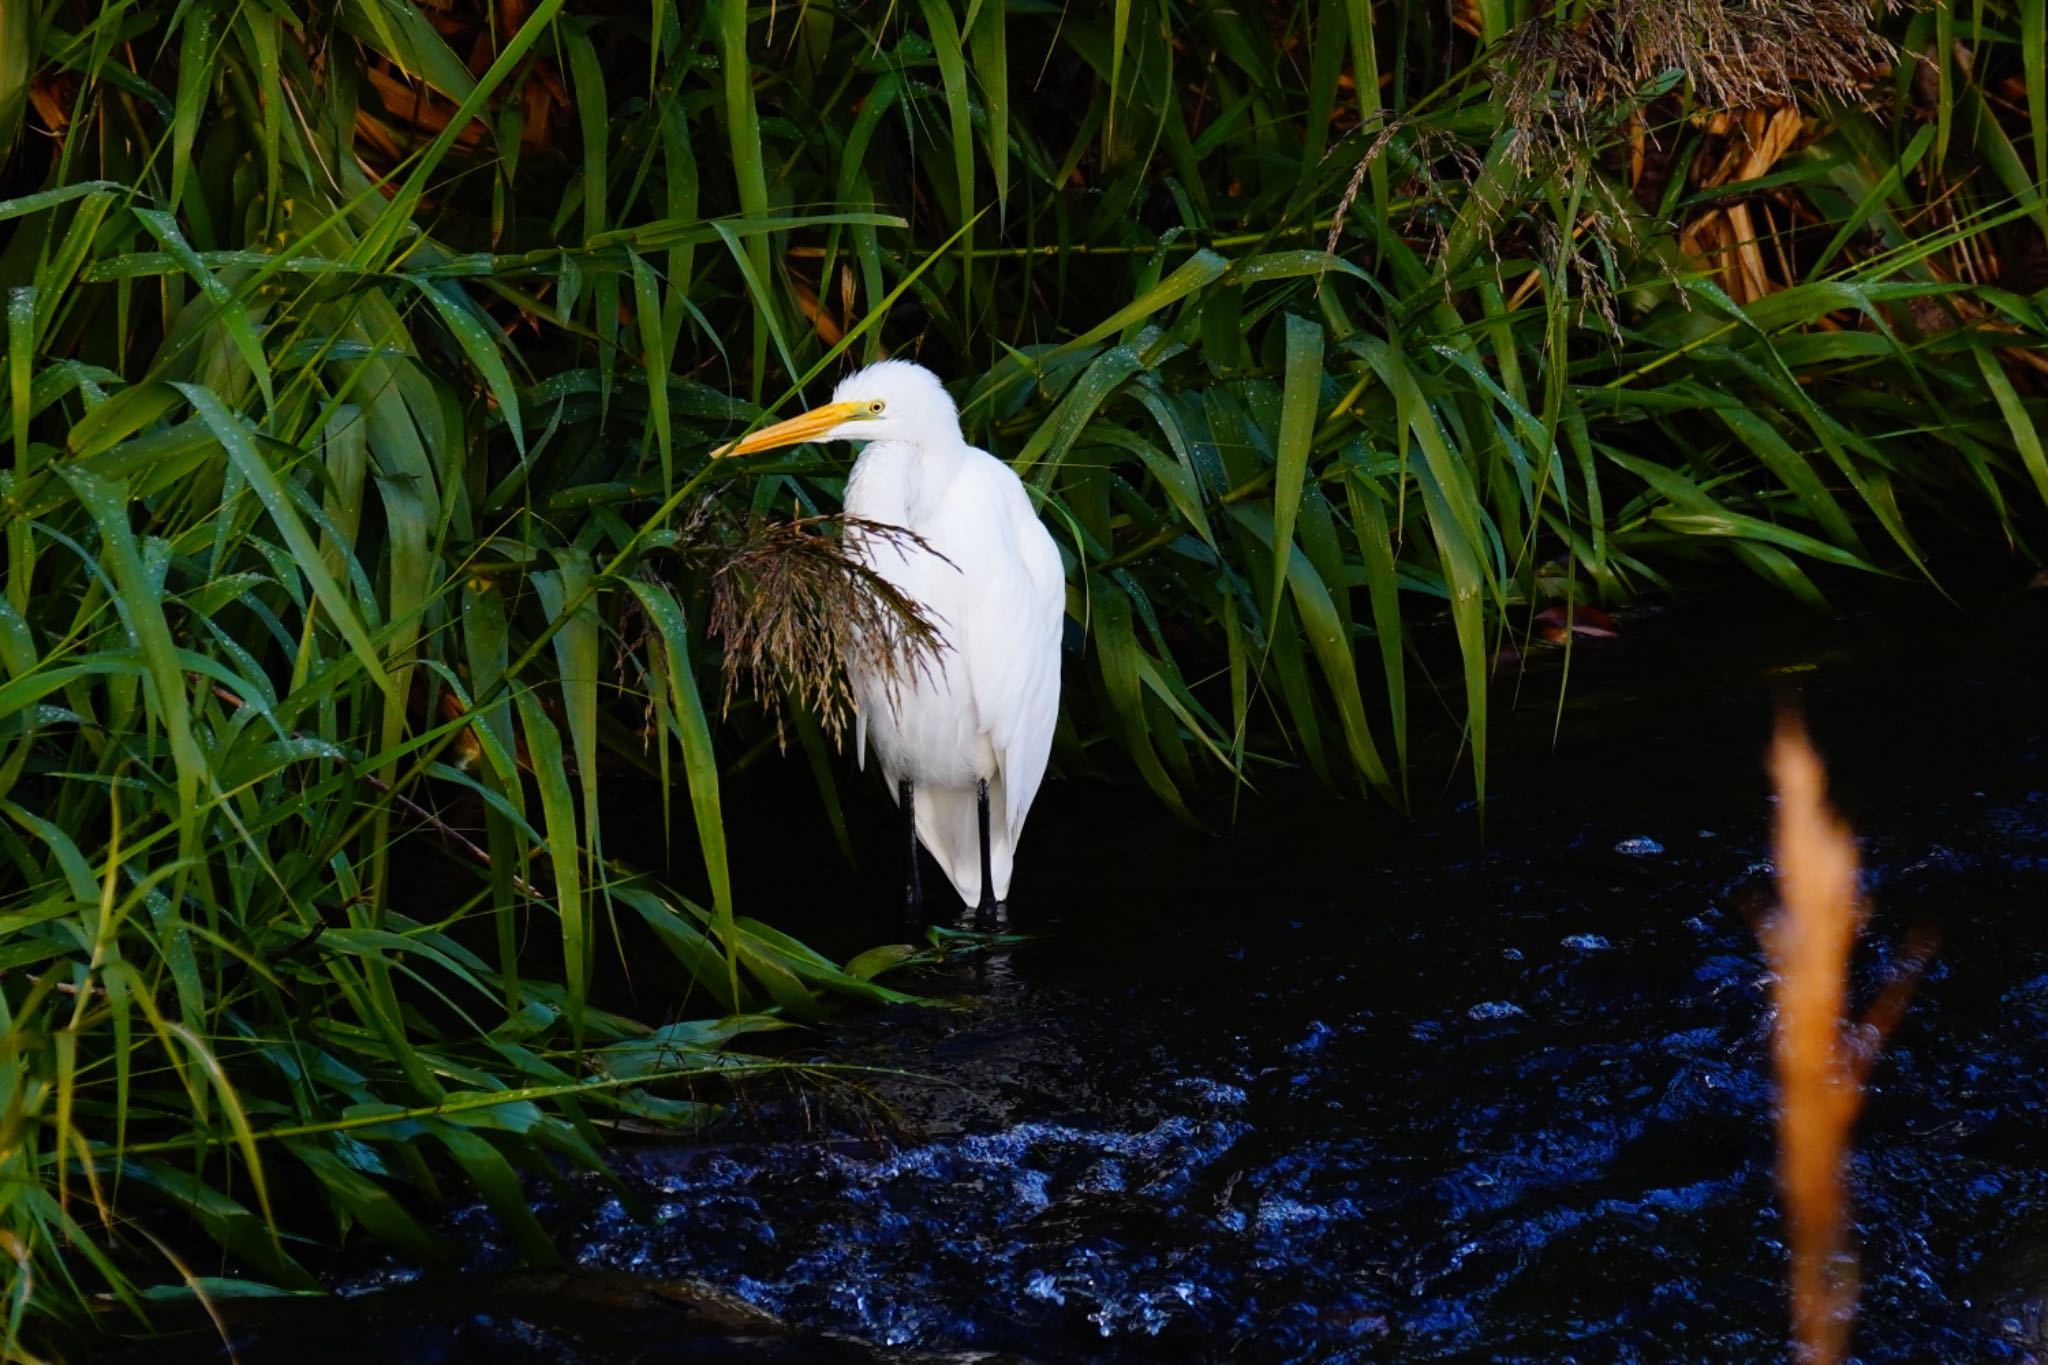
985	913
913	884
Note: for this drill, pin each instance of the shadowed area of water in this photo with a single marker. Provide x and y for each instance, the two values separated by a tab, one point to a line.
1340	1088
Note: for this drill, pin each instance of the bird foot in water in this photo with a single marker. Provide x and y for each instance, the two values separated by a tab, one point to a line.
991	916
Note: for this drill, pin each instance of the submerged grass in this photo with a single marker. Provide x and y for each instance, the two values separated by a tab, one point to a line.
358	362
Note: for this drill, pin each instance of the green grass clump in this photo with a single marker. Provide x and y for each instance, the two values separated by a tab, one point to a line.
361	364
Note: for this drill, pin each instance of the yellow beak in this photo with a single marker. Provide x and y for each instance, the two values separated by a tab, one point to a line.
808	426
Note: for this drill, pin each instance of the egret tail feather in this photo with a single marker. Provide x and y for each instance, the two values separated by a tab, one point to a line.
949	826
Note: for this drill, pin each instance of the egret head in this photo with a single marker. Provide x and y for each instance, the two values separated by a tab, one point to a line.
892	400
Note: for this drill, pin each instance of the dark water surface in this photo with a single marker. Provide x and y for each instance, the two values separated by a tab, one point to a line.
1339	1088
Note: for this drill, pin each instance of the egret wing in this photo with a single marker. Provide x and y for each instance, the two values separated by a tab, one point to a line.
1011	638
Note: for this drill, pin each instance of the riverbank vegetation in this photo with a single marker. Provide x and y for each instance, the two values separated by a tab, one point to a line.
362	362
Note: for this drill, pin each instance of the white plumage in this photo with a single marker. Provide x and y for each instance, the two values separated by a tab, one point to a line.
991	582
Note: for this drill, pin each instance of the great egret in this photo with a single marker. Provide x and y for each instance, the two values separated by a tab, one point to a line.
962	743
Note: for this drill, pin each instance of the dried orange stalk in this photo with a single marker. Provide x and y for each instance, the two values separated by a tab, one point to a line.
1823	1057
1809	943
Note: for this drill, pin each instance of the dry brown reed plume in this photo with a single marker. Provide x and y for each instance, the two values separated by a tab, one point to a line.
793	606
1564	82
1575	88
1823	1056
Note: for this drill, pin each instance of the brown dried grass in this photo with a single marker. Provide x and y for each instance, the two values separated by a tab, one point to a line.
1567	84
794	608
1572	88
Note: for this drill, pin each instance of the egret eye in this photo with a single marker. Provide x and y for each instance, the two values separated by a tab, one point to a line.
875	408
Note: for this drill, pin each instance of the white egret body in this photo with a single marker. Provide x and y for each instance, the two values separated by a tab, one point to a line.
972	730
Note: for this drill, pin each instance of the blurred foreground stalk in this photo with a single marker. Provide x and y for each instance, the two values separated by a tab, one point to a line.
1823	1056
